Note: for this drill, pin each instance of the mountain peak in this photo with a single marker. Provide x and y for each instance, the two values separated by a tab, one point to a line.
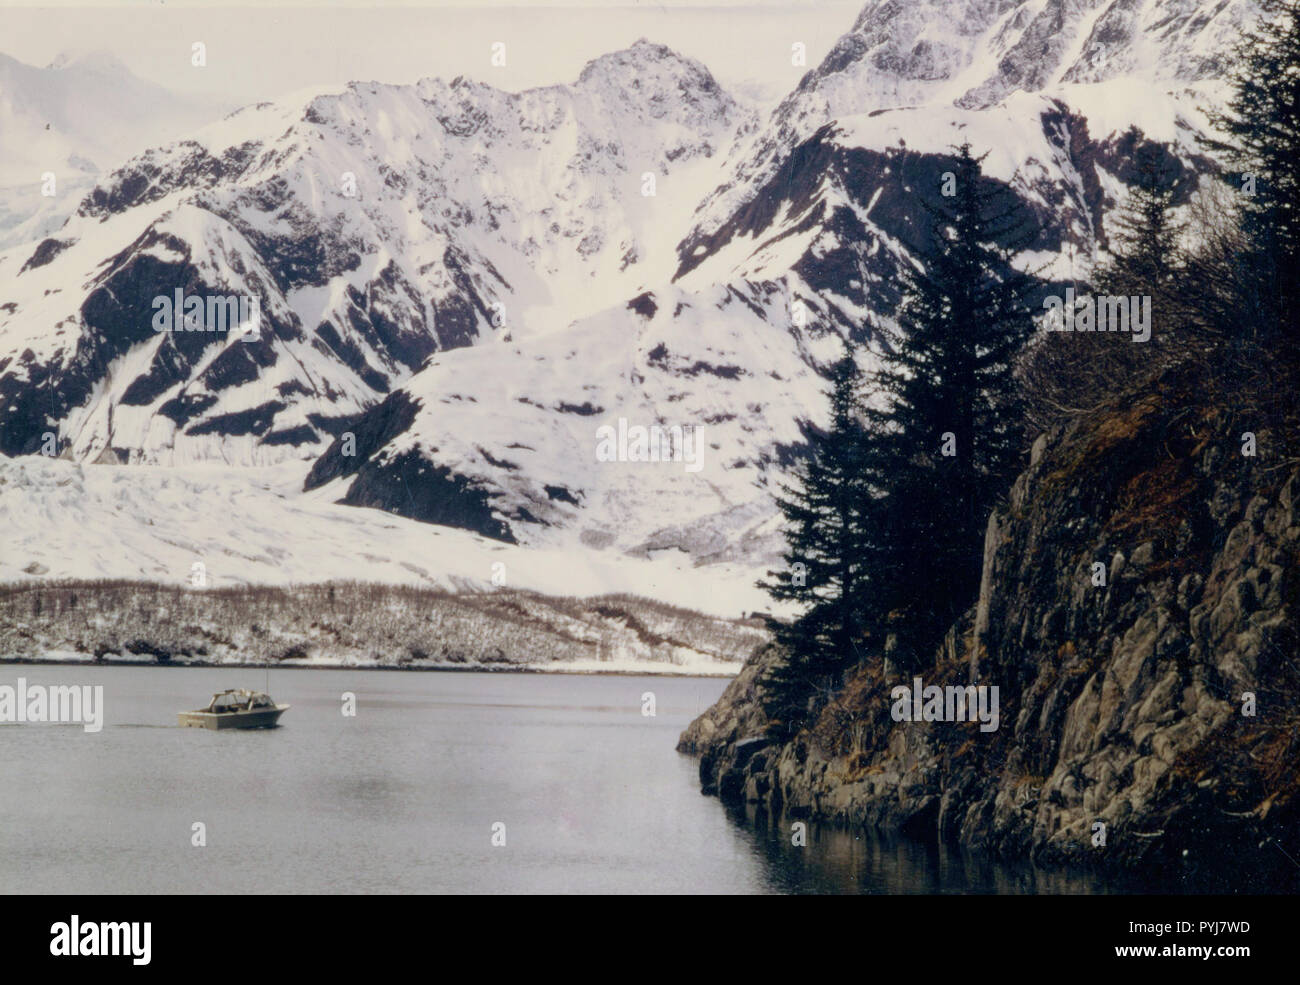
625	65
89	60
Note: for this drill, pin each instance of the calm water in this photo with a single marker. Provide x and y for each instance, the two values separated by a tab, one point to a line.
403	797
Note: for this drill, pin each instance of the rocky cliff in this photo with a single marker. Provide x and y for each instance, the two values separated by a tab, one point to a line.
1147	722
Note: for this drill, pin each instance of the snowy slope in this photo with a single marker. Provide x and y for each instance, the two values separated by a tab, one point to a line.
63	519
375	225
975	53
802	243
525	422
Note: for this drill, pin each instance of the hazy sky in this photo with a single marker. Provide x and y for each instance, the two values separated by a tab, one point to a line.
263	52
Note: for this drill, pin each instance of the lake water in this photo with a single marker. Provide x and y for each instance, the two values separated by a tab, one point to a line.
404	797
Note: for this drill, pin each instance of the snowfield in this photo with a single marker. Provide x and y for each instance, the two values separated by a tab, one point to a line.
248	526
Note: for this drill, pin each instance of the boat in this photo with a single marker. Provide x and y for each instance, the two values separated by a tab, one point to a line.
236	708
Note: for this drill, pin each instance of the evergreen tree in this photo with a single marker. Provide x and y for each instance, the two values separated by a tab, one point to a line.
827	562
1145	254
1262	127
1145	260
950	437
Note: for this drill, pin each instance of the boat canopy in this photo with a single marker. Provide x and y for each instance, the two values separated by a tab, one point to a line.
240	699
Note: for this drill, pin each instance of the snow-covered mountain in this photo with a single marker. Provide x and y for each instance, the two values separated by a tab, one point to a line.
77	117
465	292
374	226
800	242
537	442
1049	88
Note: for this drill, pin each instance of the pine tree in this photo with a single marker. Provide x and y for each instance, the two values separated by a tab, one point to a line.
1145	260
950	437
1262	127
827	565
1145	255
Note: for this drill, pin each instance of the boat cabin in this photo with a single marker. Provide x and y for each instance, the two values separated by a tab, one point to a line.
239	700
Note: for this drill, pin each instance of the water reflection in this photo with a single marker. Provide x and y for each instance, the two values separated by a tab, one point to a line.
838	860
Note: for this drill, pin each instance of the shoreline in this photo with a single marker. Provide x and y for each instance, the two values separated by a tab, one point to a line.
423	668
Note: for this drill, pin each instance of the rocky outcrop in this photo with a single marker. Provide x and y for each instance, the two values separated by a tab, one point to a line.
1138	613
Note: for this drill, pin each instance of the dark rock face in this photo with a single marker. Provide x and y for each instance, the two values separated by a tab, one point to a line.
796	181
1120	705
644	305
154	175
186	407
849	260
410	485
116	315
562	494
46	251
255	420
369	434
301	435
